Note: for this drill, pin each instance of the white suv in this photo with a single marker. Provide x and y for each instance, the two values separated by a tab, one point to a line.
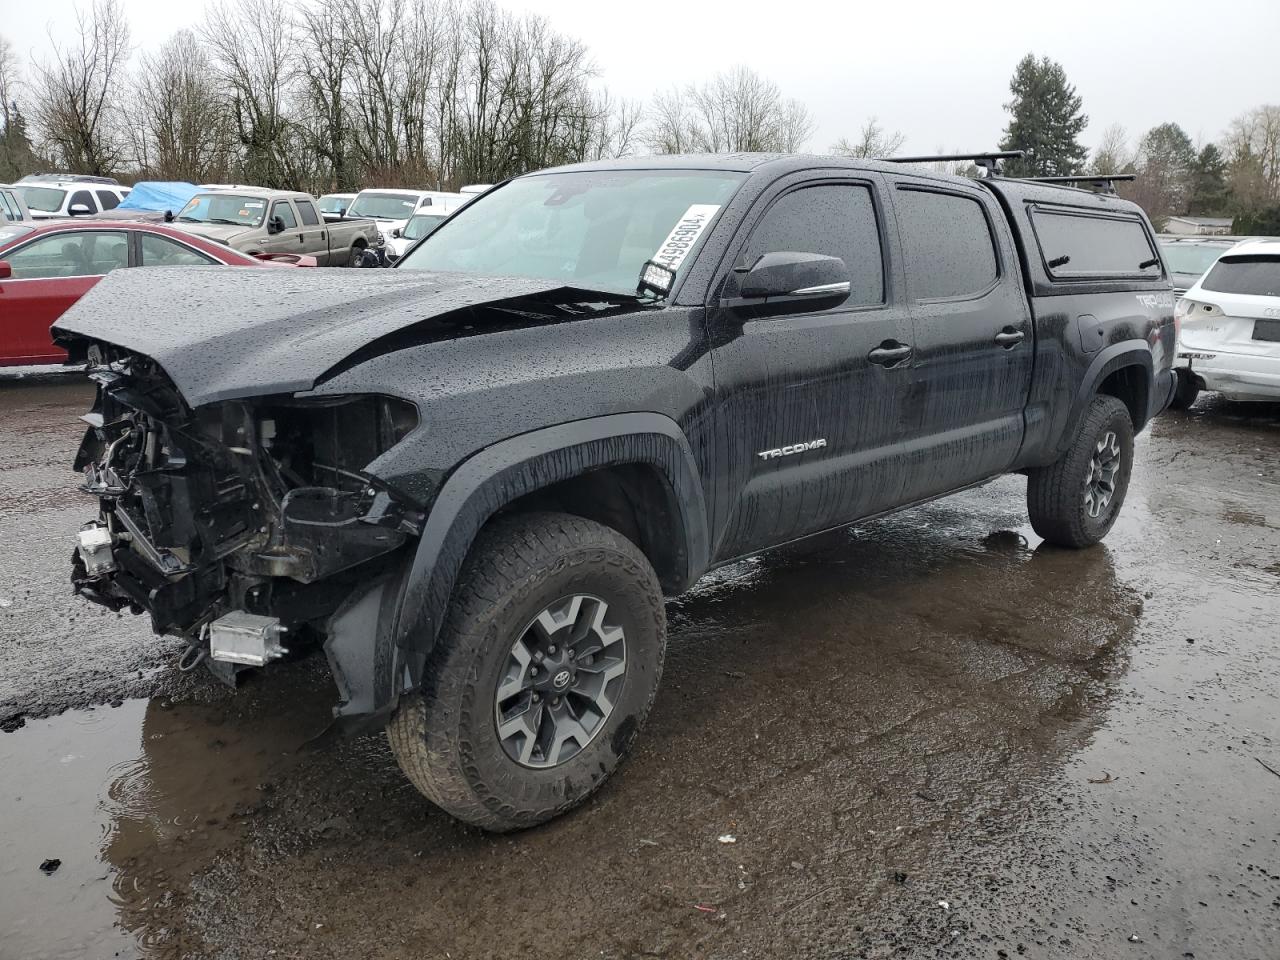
393	208
47	198
1229	337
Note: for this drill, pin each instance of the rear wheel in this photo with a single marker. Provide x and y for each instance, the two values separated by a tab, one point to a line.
1187	390
1075	501
356	259
544	672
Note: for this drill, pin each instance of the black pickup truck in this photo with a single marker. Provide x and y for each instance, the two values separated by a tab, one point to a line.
471	480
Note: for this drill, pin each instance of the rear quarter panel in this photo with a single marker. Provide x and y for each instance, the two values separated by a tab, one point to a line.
1085	328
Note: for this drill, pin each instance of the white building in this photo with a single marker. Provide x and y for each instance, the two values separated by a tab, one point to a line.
1198	226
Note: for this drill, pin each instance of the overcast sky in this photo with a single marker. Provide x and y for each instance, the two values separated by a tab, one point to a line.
937	71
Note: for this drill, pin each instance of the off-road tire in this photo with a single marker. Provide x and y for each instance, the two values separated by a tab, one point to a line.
1056	493
445	735
1186	392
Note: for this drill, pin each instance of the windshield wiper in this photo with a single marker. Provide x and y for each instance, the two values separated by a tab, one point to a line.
191	219
232	223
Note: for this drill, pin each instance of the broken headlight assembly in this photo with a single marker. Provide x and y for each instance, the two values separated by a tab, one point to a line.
260	509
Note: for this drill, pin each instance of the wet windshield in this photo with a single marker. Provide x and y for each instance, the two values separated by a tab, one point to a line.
43	199
593	229
383	206
224	208
1192	257
421	225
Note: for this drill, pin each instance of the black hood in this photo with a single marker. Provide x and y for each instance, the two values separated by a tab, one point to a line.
221	333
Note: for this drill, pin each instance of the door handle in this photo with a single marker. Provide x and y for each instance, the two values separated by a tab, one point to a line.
1010	338
890	353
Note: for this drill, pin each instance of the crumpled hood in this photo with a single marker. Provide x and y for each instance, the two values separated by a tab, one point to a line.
221	333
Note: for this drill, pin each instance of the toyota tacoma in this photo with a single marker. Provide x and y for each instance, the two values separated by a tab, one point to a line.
471	481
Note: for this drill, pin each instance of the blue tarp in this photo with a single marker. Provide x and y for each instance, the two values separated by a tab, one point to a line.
157	196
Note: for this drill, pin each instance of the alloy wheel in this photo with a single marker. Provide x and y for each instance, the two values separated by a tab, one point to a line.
1100	480
561	679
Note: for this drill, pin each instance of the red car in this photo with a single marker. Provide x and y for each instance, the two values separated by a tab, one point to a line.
45	268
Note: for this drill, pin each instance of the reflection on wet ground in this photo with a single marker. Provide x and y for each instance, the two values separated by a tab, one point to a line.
929	735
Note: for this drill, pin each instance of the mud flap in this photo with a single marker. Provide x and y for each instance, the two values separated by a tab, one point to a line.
367	665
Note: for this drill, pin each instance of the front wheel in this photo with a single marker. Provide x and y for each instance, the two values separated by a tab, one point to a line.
544	671
1075	501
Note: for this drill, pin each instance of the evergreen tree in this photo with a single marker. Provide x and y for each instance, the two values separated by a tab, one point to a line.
1208	183
1259	223
1045	121
1166	157
17	156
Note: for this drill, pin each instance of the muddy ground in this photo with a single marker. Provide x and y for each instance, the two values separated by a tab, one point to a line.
929	736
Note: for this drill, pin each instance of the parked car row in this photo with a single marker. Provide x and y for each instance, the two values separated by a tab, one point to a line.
46	267
61	233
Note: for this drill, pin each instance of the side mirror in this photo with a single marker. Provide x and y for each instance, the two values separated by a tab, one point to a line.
794	276
342	213
80	210
6	271
275	225
396	233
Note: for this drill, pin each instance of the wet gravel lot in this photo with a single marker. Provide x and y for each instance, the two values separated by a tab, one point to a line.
928	736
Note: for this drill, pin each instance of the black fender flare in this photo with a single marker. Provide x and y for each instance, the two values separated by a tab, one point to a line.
506	471
1126	353
397	619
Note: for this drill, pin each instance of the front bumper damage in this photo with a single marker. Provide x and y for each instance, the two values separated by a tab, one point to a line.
248	527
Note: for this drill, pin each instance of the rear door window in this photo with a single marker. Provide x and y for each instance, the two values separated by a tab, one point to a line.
160	251
950	251
1250	275
1080	245
108	199
8	209
838	220
308	213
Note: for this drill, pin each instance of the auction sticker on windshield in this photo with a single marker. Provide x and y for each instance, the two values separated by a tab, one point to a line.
685	234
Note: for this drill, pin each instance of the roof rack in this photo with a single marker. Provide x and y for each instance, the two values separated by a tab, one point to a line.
990	161
68	178
1104	182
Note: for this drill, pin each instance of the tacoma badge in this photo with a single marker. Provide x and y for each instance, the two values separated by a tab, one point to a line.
792	448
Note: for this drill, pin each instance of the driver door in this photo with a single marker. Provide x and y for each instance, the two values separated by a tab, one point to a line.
291	239
811	404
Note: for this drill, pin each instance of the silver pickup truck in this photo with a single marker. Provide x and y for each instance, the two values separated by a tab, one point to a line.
255	221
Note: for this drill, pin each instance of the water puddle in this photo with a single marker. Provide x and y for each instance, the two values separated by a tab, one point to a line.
131	801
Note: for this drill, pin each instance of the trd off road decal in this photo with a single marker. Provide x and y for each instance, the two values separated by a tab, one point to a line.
684	235
1155	301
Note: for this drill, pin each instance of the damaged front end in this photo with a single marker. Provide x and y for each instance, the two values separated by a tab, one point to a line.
248	527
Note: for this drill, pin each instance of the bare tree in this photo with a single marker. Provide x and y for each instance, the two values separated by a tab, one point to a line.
78	93
250	46
739	110
670	128
873	141
182	129
1113	153
734	111
326	62
1252	148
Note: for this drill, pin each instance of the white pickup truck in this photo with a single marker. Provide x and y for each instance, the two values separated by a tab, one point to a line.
256	221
